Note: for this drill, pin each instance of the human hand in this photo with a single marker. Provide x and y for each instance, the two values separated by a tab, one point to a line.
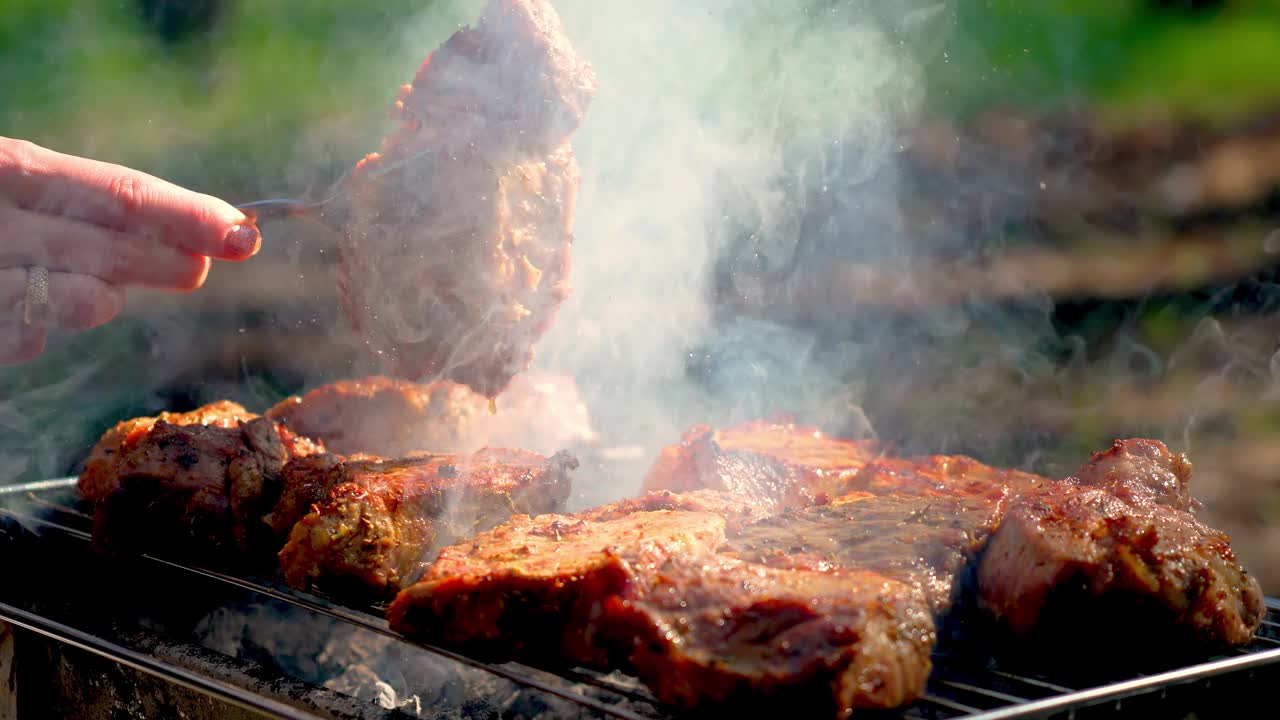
98	228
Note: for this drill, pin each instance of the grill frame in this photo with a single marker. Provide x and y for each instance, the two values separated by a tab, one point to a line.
957	689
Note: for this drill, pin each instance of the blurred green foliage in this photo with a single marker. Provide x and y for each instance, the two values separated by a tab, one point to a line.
1212	61
227	109
281	96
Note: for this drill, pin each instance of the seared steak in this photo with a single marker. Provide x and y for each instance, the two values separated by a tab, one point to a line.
952	475
710	631
380	520
646	592
457	255
1141	472
304	482
101	474
537	588
771	464
392	418
200	488
1114	550
923	541
736	510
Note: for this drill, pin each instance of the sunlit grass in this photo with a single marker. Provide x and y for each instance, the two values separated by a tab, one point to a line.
1125	57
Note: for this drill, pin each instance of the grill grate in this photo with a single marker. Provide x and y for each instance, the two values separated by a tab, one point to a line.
962	685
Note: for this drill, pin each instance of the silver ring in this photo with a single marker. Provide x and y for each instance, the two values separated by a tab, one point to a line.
37	299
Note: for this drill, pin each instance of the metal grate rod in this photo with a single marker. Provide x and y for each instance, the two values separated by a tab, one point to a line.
1119	691
996	694
589	678
949	704
1033	681
144	663
368	622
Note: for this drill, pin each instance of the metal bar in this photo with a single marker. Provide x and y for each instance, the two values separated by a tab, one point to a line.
995	694
24	519
588	678
138	661
949	704
35	499
1032	681
1122	690
58	484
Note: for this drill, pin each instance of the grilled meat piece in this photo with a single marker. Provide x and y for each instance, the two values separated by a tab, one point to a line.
380	520
201	488
537	587
923	541
540	411
645	591
746	601
1115	550
949	475
304	482
392	418
457	254
922	521
384	416
712	631
101	470
771	464
737	511
1142	472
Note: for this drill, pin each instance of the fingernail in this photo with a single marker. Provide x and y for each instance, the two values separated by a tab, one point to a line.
243	240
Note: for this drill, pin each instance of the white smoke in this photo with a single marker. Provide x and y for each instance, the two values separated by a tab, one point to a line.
703	112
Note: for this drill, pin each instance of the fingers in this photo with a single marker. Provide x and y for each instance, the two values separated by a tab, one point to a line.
118	198
76	302
30	239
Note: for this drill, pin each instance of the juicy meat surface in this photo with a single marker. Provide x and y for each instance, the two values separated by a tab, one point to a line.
1115	550
773	464
711	631
924	541
379	520
921	521
206	487
392	417
646	591
304	482
457	254
536	587
824	590
737	510
949	475
1141	471
101	469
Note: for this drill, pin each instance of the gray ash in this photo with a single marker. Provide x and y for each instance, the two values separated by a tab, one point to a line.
387	673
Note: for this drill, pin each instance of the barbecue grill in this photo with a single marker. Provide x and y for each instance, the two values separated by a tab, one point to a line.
153	634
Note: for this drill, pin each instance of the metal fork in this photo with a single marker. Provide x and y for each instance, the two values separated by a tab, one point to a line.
281	207
315	209
312	210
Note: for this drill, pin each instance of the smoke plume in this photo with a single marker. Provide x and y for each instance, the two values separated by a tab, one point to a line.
714	125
